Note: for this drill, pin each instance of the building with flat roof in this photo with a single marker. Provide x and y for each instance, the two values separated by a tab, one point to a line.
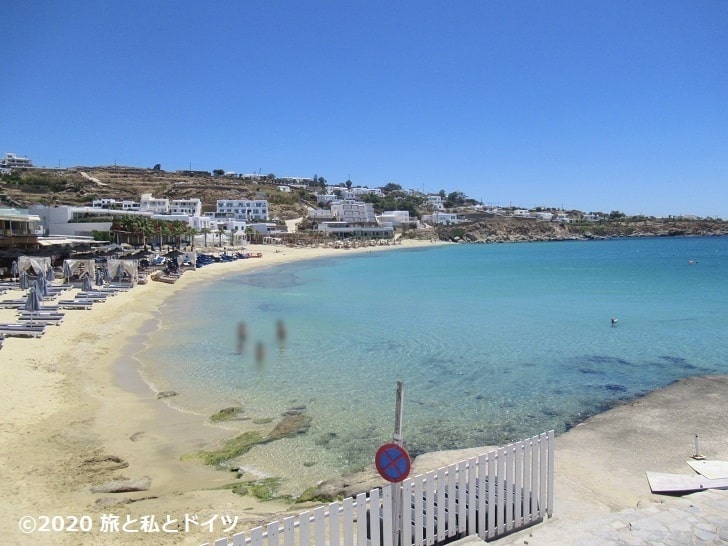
243	209
12	161
19	229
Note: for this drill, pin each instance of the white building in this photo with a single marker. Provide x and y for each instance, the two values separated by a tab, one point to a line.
190	207
354	212
356	193
320	215
323	198
344	229
113	204
243	209
394	217
434	202
12	161
148	203
439	217
544	215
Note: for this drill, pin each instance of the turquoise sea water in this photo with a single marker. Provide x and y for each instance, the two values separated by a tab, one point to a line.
493	342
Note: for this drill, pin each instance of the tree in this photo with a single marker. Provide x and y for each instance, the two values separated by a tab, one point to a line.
190	232
455	199
145	228
348	184
218	172
391	187
177	229
157	167
205	231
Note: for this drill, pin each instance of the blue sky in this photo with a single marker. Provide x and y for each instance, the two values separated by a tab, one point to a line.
592	105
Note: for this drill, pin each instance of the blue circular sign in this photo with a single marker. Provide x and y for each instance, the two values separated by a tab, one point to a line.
392	462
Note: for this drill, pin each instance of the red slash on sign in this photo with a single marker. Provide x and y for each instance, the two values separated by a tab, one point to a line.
393	462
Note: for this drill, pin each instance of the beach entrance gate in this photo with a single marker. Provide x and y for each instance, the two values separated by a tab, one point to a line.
491	495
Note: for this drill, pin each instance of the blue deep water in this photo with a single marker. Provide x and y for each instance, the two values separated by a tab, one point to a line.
492	342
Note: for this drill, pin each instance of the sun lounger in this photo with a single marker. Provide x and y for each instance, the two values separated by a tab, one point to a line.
21	307
93	295
11	304
75	304
116	288
48	319
22	330
39	314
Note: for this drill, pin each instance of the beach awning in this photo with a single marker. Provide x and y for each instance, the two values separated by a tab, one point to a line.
38	264
78	267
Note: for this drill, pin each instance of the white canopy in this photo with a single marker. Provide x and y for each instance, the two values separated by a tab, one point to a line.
120	267
36	263
76	268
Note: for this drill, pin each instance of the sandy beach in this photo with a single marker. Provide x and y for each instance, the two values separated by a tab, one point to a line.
76	414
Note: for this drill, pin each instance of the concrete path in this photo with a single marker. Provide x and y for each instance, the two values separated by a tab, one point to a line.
700	519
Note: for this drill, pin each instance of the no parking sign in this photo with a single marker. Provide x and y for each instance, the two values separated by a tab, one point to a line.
393	462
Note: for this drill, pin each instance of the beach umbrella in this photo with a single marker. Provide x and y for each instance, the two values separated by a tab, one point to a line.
32	302
99	277
86	284
106	274
24	284
50	274
42	285
14	269
67	273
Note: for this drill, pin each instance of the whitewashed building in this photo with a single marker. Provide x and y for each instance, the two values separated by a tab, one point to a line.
439	217
394	217
12	161
344	229
243	209
149	203
354	212
434	202
113	204
190	207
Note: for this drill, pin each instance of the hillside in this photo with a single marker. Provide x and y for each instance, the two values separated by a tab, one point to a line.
81	185
492	229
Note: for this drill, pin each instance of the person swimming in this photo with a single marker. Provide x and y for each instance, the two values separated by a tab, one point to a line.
614	322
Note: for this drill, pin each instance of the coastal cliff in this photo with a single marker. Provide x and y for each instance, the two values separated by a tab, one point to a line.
501	229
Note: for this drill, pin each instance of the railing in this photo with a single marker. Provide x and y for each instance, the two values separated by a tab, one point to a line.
490	495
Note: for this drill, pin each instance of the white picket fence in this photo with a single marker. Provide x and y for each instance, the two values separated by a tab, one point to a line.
490	495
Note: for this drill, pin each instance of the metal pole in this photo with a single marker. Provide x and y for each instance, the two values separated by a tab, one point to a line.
397	488
397	436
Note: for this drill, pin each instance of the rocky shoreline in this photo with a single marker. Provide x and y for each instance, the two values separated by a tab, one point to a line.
499	229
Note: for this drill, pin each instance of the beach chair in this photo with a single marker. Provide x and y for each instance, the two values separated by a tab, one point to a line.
11	304
33	318
96	295
75	304
22	330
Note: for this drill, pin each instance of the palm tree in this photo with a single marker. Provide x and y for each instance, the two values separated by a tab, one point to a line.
143	228
205	231
190	232
177	229
220	232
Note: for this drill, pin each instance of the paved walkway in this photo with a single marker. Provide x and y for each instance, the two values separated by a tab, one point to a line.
696	519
